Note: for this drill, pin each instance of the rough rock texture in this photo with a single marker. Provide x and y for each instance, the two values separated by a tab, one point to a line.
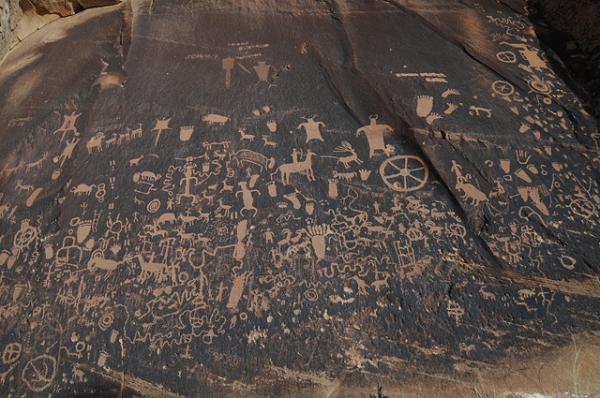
70	7
284	198
9	14
580	20
19	19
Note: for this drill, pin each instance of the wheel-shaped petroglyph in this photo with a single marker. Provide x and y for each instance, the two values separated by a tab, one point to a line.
25	235
507	56
502	87
11	353
404	173
39	372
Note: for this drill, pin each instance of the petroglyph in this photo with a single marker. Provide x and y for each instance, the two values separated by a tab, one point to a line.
375	135
246	229
302	167
404	173
213	118
312	129
95	143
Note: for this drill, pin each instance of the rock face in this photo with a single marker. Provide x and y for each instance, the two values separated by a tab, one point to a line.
9	14
70	7
295	199
579	21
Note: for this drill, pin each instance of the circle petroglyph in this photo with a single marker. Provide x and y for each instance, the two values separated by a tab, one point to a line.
25	236
311	295
11	353
153	206
507	56
540	86
39	372
404	173
568	262
106	321
502	87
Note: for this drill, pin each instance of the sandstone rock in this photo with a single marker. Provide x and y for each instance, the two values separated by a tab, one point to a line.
9	14
60	7
281	198
579	21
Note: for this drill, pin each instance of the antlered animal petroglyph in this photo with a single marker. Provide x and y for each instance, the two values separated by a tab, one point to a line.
346	160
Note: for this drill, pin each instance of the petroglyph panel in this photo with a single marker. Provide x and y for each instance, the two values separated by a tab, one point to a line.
255	201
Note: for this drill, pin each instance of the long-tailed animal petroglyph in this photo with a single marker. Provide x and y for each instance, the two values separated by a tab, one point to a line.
468	189
352	157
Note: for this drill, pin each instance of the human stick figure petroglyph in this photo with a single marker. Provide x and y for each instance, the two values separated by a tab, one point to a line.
375	133
247	197
312	128
67	153
68	125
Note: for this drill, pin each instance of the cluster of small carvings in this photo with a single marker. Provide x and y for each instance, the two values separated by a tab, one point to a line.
190	238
